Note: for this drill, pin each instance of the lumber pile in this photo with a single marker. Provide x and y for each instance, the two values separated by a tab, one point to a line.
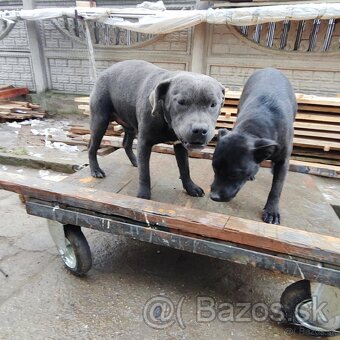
316	127
316	130
18	111
11	110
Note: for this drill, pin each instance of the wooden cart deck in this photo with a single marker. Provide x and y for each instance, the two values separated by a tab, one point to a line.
307	243
302	204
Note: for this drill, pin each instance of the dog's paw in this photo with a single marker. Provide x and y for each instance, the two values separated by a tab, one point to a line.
272	217
194	190
251	178
98	173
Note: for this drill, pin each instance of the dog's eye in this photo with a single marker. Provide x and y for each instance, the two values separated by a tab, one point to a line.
182	102
213	104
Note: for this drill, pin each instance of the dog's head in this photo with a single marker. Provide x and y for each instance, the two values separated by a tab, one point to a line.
235	161
190	104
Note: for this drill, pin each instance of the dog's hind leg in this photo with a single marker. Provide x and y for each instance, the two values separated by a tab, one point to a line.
100	118
129	136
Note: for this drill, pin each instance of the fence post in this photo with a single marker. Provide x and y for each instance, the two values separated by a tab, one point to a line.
36	50
198	52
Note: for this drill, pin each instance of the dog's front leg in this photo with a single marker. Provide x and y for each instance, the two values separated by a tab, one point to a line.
143	155
183	164
271	212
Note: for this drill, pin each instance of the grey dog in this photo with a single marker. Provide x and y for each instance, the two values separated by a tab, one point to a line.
159	106
263	130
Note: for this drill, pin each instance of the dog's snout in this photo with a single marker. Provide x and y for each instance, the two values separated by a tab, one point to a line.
199	130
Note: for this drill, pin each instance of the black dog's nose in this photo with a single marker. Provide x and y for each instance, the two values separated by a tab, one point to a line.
199	131
215	196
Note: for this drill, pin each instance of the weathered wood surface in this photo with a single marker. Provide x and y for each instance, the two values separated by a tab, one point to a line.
13	92
302	205
191	243
280	239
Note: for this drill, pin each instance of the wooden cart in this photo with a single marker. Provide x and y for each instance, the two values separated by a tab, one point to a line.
309	248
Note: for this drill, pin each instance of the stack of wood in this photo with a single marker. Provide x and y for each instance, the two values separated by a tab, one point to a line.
316	128
17	111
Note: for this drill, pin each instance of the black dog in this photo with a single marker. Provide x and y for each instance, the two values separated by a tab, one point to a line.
263	130
160	106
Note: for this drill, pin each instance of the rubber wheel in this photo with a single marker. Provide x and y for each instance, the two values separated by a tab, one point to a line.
77	257
292	296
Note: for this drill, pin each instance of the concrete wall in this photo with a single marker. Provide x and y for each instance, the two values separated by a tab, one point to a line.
215	50
231	59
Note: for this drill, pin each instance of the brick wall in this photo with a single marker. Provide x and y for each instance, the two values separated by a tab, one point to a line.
16	70
71	74
16	39
15	61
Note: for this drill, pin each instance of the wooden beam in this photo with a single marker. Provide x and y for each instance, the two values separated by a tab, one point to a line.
12	93
260	235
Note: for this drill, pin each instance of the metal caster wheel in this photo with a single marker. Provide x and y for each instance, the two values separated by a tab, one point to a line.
72	247
77	256
299	308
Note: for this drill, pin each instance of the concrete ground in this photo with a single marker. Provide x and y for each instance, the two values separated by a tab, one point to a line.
118	298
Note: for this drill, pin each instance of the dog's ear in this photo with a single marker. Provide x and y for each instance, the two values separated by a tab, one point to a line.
223	95
157	96
263	149
221	133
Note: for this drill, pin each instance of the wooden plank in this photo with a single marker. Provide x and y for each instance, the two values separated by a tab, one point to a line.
317	100
12	93
319	108
83	100
317	126
316	153
213	225
106	150
17	116
318	117
300	98
13	107
299	116
233	103
68	141
318	134
83	107
316	144
313	160
21	116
